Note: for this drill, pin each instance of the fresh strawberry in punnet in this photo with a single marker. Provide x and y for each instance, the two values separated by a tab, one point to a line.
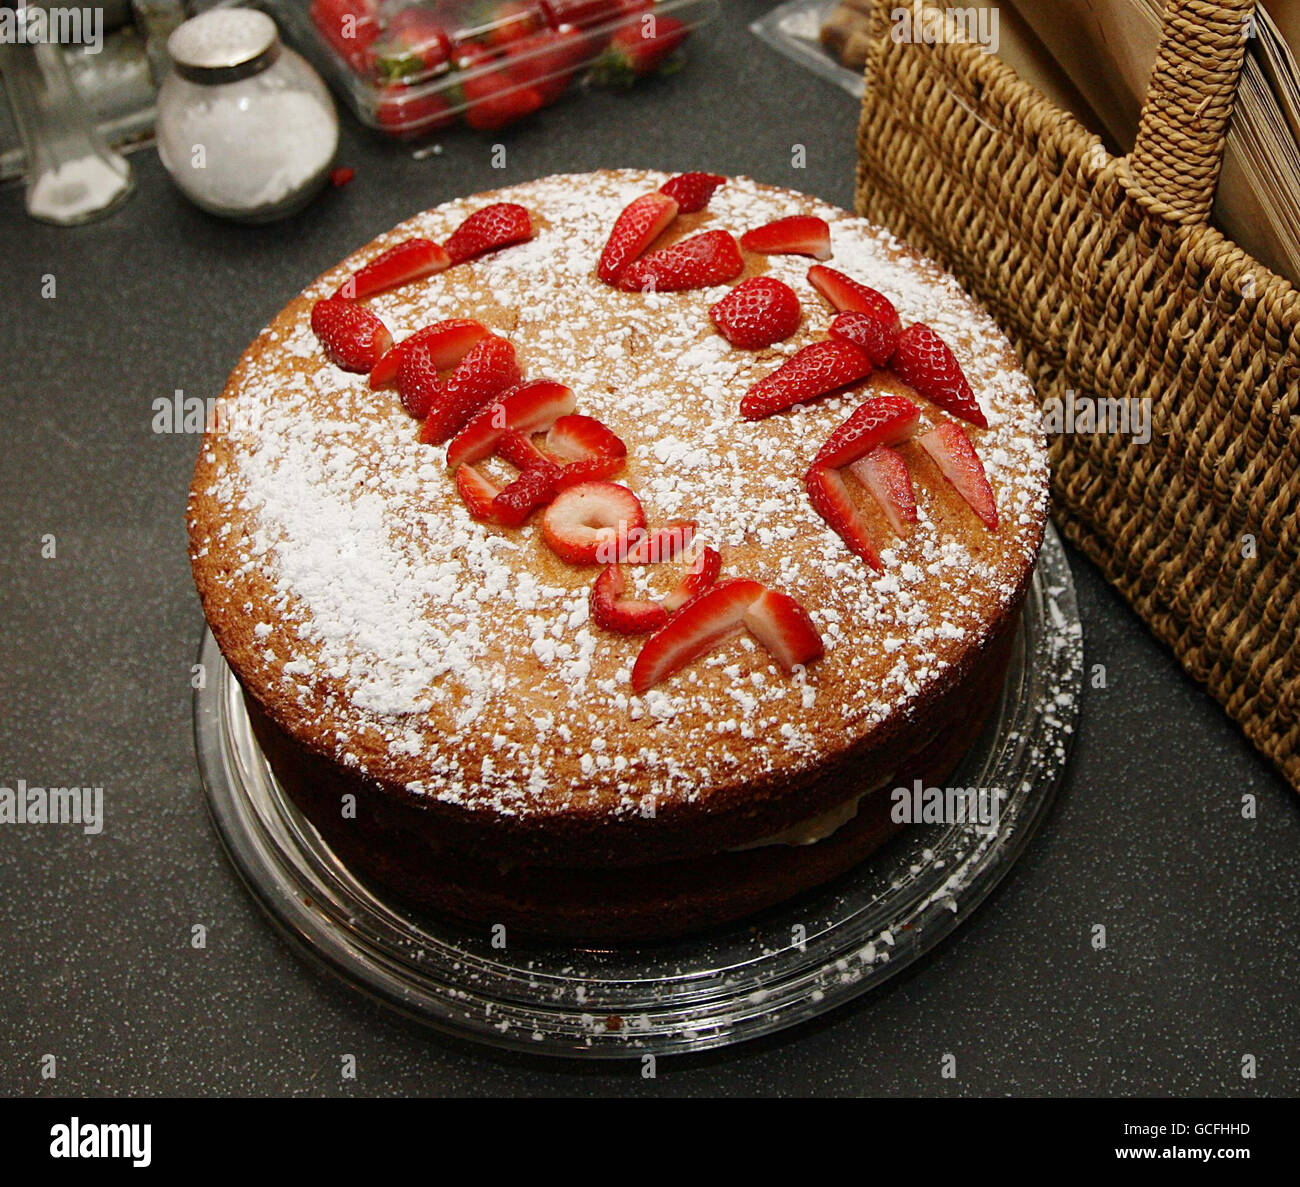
547	61
412	259
638	226
413	46
353	338
351	27
489	229
614	612
925	361
638	49
800	234
403	111
492	98
955	456
692	191
757	312
528	407
814	371
485	372
700	261
446	343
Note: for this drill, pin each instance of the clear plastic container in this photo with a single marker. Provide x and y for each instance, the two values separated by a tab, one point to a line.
410	67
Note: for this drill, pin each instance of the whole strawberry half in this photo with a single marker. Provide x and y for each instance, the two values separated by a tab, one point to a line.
699	261
638	49
757	312
485	372
489	229
814	371
637	226
924	360
692	191
353	338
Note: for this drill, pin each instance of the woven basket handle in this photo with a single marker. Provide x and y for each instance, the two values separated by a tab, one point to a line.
1179	148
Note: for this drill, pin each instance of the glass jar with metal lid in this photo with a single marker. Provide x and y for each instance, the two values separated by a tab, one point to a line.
245	127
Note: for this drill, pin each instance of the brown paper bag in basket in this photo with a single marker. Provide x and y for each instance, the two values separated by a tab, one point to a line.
1109	279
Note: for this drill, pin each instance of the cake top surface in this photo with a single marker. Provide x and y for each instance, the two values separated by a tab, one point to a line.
376	620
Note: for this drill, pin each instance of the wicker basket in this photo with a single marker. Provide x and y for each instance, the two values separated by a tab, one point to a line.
1110	281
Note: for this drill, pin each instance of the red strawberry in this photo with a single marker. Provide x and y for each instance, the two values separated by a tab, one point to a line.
352	336
812	372
409	260
528	407
638	49
493	227
634	230
590	450
783	627
341	176
487	370
412	47
702	574
534	488
402	111
446	343
419	386
757	312
692	191
518	449
615	613
956	457
350	26
478	493
881	420
492	97
884	473
697	262
508	23
695	630
653	546
800	234
924	360
848	296
876	332
831	500
591	523
582	13
547	60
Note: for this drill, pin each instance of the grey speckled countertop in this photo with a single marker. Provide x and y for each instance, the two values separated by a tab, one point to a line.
96	967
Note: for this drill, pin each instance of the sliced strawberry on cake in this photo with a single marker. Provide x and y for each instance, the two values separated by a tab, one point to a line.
880	420
412	259
800	234
692	191
485	372
589	449
591	523
533	488
699	261
850	296
614	612
703	572
529	407
651	546
489	229
478	491
757	312
785	629
446	342
353	338
815	371
635	229
955	456
884	473
925	361
876	332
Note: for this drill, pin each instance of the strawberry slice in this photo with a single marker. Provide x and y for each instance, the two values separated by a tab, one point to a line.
784	628
518	449
635	229
353	338
800	234
484	373
447	342
592	522
692	191
589	448
419	386
410	260
884	473
953	453
831	500
881	420
534	488
489	229
850	296
757	312
695	630
478	493
528	407
876	332
627	616
814	371
924	361
699	261
650	547
703	573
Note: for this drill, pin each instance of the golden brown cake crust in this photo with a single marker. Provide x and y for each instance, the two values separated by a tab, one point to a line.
451	664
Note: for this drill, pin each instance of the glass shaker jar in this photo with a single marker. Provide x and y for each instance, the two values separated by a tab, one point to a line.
245	127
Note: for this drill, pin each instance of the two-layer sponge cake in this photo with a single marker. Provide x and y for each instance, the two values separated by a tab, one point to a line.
429	672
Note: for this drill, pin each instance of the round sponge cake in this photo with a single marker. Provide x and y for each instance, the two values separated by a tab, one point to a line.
448	671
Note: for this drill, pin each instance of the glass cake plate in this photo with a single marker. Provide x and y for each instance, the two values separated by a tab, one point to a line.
768	972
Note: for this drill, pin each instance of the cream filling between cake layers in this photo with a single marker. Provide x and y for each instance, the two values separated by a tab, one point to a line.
817	828
460	659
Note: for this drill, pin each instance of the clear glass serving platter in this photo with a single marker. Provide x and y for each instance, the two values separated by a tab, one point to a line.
766	973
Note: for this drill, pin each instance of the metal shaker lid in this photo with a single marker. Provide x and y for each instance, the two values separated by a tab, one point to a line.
224	45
